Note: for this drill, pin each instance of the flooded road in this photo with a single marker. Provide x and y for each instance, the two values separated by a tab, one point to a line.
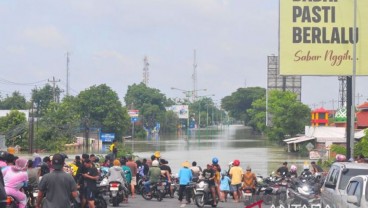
226	143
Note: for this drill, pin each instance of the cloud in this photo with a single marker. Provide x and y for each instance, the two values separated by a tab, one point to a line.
46	36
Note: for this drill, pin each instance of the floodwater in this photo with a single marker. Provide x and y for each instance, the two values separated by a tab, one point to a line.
226	143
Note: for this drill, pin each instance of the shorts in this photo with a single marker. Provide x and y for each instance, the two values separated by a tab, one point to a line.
133	181
211	184
235	187
89	194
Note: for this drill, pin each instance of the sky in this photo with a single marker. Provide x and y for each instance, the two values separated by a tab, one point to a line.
108	40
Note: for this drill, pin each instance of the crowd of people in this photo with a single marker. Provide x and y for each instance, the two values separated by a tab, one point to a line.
57	180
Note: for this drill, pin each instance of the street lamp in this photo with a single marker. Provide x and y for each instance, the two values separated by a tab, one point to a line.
199	116
188	92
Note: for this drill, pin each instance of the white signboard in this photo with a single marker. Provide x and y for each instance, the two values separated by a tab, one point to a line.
181	110
314	155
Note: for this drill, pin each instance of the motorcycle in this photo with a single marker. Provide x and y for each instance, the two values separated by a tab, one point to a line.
304	191
263	191
157	191
100	201
247	195
11	202
203	195
140	184
118	193
170	189
277	187
32	195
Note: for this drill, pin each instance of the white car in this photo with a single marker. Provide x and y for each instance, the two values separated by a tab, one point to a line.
333	191
356	192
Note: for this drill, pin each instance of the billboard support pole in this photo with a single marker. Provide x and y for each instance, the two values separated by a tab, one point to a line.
353	80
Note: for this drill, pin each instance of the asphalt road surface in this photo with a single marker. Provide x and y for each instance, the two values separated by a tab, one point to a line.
139	202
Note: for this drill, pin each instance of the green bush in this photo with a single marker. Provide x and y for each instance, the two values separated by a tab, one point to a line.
338	149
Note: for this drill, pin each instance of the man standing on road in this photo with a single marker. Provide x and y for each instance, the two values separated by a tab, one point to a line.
236	174
57	185
90	183
209	175
316	168
185	177
133	169
114	149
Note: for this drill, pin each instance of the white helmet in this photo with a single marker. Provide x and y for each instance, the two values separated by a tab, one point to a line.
293	168
155	163
259	180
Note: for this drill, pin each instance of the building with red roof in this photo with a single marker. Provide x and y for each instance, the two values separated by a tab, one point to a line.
362	116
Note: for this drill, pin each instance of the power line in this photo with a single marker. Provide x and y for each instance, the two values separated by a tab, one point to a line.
7	82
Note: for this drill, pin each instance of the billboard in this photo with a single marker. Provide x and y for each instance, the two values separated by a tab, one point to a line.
107	137
133	113
181	110
317	37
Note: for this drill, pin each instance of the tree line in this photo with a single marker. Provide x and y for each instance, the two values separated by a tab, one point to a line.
277	114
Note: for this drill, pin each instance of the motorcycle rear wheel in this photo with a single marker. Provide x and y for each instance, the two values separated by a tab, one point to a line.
115	201
159	195
199	200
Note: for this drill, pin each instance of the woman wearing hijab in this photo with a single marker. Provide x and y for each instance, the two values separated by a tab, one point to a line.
15	178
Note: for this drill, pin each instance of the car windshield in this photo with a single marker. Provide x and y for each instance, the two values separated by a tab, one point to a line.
349	174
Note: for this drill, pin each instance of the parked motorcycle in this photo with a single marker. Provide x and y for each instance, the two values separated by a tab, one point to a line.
263	191
203	195
304	191
157	191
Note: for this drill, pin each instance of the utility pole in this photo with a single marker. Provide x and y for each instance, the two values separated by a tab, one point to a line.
86	133
67	73
53	81
31	130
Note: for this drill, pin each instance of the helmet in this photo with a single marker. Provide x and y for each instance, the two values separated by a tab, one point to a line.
157	154
340	158
214	160
155	163
3	155
236	163
259	180
293	168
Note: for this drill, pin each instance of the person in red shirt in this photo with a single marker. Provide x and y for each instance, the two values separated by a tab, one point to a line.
133	168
